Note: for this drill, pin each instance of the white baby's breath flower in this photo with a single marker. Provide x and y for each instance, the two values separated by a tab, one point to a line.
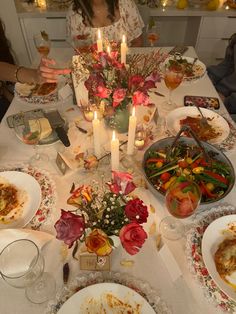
137	217
106	221
112	222
107	216
126	219
108	209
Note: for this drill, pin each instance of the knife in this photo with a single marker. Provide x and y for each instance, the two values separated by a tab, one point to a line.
57	124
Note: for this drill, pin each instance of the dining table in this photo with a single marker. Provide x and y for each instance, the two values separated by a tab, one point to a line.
176	285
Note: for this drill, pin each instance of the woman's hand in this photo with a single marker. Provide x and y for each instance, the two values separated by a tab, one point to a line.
48	74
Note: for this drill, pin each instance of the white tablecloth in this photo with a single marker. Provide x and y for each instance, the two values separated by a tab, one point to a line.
183	296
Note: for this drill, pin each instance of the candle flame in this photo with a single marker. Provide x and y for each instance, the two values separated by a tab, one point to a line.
123	39
95	115
113	135
227	7
133	112
99	34
109	50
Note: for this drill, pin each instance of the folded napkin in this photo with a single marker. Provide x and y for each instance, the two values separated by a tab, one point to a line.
38	237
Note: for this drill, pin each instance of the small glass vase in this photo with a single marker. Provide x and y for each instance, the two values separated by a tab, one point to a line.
119	120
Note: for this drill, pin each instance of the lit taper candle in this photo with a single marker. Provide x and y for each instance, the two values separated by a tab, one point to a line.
96	135
131	134
115	159
123	50
99	42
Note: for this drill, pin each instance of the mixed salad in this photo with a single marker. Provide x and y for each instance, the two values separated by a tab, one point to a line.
213	176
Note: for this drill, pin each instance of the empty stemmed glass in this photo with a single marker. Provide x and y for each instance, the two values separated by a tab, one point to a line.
22	266
28	129
173	74
42	43
181	199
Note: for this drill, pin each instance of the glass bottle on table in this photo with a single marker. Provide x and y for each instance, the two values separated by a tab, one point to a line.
181	200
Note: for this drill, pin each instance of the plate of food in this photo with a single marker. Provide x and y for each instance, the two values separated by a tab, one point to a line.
219	253
37	93
214	175
20	198
216	133
193	68
106	298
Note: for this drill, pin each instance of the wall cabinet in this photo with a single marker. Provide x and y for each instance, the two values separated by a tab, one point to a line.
213	38
55	27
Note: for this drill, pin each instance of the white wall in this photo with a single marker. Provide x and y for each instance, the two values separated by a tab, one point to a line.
9	17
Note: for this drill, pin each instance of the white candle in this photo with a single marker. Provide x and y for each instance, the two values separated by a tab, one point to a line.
99	42
96	135
109	51
123	50
115	152
131	134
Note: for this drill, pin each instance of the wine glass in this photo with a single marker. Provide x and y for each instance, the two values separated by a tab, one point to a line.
181	199
173	74
28	129
42	43
152	33
22	266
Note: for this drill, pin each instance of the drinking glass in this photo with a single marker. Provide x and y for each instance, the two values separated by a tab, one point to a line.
173	76
22	266
42	44
152	33
181	199
28	129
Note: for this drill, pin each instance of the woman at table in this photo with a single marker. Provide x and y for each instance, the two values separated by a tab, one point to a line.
223	76
113	17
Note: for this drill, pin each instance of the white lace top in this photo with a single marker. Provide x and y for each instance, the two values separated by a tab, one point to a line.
129	24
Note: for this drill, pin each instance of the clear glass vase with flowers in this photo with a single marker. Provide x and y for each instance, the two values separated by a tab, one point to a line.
114	86
102	213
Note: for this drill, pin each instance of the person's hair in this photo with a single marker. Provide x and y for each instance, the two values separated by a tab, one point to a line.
5	50
84	7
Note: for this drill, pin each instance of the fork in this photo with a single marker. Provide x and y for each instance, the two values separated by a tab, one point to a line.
203	120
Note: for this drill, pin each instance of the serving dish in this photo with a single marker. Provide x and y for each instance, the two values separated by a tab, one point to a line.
155	183
215	233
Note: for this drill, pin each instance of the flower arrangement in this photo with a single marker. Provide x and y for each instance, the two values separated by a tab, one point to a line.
114	85
103	212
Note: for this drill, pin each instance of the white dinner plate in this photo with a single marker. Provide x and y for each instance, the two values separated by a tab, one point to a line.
212	237
31	189
217	121
92	299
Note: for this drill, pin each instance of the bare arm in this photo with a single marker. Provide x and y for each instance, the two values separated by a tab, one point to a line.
13	73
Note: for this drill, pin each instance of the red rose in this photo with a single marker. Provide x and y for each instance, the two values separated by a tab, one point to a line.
135	210
118	96
69	227
132	237
135	82
140	98
102	92
93	82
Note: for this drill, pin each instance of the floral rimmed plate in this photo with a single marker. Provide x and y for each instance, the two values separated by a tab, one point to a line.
195	259
48	194
85	280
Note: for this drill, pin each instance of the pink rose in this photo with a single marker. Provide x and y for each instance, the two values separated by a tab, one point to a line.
102	92
135	82
121	182
135	210
140	98
69	227
132	237
118	96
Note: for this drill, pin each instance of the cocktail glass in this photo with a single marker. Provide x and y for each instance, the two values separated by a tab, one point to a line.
181	199
42	44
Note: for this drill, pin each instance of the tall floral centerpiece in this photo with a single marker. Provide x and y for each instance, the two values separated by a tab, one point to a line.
114	86
101	213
